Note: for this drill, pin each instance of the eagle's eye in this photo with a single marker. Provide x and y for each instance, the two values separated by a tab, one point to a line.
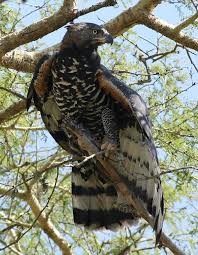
95	32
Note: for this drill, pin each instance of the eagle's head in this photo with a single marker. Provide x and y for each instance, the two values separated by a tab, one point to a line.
85	36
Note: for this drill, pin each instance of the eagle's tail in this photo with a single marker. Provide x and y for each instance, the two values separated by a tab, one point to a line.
139	169
96	203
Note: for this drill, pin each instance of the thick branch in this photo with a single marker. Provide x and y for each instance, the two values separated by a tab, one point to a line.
167	30
20	60
47	25
46	224
38	29
42	219
139	14
128	18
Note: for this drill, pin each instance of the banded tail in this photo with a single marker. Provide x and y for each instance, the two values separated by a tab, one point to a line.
96	203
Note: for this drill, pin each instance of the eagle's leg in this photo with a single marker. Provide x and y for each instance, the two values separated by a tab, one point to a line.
111	130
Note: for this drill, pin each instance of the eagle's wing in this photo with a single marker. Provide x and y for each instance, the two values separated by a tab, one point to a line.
138	163
40	92
96	203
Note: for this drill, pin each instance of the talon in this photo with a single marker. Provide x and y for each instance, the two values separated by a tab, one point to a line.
104	146
109	146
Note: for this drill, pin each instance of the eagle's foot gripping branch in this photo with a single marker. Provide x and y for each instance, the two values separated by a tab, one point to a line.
107	147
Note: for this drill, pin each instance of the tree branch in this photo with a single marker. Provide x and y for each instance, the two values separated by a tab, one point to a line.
111	173
12	110
20	60
96	7
141	14
13	127
138	14
186	23
10	192
66	13
166	29
46	224
38	29
40	217
129	18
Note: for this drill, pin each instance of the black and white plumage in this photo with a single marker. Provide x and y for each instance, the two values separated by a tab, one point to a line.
72	86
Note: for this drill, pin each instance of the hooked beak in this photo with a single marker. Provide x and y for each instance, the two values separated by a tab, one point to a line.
108	38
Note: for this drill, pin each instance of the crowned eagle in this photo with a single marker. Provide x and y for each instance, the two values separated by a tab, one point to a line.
72	86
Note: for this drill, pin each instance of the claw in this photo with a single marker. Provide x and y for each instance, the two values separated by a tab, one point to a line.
107	147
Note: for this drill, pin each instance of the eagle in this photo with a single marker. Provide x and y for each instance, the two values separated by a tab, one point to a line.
72	86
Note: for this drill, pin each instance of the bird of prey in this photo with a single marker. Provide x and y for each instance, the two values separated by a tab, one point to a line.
72	86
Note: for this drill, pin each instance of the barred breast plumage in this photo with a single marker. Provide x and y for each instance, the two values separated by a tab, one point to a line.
77	92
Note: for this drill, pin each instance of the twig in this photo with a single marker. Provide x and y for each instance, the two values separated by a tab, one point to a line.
181	169
161	55
12	127
171	98
14	251
13	93
96	7
127	249
144	74
89	158
191	61
186	23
